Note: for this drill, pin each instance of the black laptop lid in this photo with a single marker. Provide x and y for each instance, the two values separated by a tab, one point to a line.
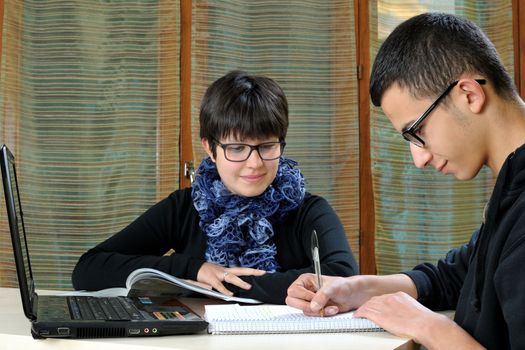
17	229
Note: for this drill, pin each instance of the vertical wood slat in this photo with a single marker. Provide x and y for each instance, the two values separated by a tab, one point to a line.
5	275
1	26
1	42
518	31
10	128
186	150
345	91
168	123
367	261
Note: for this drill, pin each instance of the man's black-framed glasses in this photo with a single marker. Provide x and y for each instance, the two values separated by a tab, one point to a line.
411	133
239	152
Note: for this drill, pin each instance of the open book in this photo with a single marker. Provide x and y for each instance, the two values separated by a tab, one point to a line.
268	318
151	282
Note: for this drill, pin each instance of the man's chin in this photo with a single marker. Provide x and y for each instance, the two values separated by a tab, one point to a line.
464	176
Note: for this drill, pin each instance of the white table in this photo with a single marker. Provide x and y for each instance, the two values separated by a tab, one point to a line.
15	334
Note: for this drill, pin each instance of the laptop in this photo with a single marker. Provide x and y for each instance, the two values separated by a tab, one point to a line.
84	316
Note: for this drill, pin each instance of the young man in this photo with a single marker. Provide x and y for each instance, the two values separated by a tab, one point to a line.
441	83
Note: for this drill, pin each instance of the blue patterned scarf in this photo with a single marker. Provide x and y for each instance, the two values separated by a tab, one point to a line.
239	229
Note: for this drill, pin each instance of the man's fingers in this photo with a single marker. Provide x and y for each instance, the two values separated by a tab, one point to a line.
331	310
319	301
299	304
298	290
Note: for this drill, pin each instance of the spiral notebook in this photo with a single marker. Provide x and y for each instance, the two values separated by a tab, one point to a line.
269	318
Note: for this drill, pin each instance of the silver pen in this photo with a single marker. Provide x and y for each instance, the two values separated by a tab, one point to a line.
315	257
317	264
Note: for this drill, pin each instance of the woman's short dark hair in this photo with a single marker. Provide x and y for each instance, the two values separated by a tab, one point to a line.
243	106
428	52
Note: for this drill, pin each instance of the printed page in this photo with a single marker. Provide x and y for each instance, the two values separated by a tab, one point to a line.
153	281
109	292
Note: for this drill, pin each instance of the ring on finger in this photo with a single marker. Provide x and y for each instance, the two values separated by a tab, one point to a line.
226	273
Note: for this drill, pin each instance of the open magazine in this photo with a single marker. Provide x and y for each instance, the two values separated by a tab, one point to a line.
147	281
155	281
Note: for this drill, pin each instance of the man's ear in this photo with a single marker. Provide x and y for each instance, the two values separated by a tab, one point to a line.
207	147
473	93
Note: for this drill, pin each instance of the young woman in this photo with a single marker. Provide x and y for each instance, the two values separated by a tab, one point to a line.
245	225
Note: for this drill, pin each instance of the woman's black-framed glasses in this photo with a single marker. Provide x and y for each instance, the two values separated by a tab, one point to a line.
410	134
239	152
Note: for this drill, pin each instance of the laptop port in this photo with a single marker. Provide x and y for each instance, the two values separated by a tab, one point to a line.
63	330
133	331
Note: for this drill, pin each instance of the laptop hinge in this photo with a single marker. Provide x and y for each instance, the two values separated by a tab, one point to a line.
33	299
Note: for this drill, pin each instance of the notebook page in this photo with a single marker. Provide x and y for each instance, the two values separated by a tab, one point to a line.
267	318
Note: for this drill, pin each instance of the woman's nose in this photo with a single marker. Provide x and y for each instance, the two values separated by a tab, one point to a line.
254	160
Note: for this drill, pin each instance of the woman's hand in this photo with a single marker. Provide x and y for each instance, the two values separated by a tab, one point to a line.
215	276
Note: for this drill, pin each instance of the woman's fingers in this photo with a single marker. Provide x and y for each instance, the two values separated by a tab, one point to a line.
231	276
235	280
217	276
245	271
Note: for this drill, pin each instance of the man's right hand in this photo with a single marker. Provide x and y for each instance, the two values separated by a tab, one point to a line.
337	295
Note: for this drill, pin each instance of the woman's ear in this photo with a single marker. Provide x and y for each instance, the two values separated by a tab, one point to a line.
473	93
207	148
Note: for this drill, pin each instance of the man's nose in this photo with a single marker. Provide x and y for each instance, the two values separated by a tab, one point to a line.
420	155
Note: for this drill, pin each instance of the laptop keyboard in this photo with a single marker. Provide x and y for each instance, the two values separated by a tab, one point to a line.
94	308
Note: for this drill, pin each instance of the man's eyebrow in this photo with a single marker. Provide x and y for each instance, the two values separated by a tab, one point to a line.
407	126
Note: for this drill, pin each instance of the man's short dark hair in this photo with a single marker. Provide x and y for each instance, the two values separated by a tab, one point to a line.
428	52
243	106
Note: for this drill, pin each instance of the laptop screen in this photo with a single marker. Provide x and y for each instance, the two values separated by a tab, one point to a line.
16	227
